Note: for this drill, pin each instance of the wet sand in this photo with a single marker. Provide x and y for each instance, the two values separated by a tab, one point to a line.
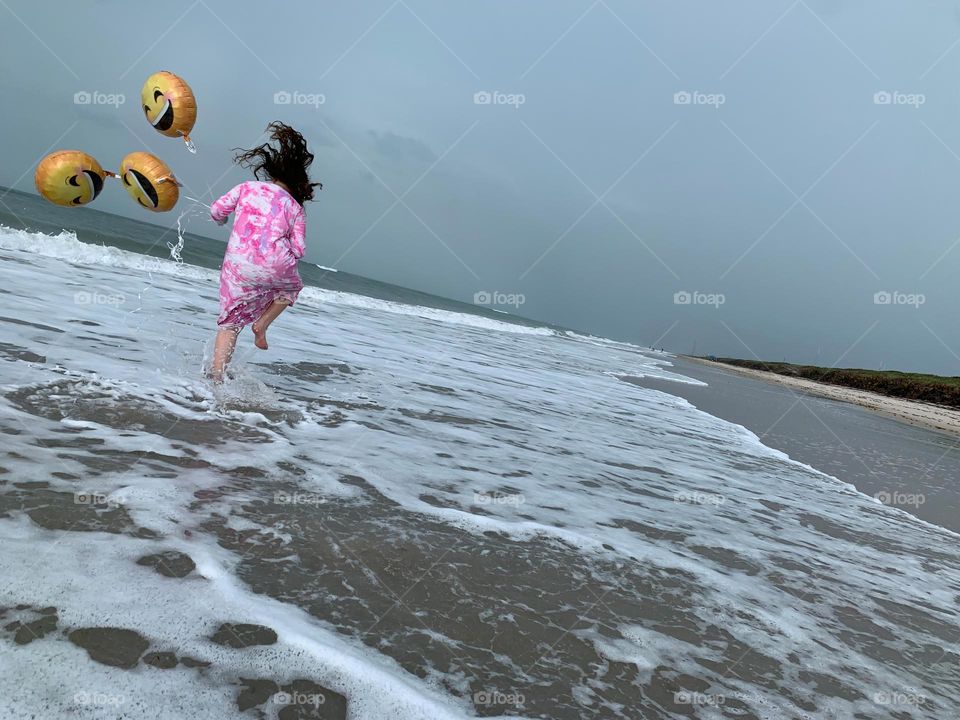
934	417
903	465
529	627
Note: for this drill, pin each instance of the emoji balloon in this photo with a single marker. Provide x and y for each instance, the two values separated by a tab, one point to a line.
70	178
150	181
170	106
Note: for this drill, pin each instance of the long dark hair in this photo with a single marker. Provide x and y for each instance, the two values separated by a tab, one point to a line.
287	164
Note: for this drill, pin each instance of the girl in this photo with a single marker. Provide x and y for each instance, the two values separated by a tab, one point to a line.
259	278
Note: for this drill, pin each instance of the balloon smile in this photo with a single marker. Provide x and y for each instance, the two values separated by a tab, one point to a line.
145	186
149	181
164	119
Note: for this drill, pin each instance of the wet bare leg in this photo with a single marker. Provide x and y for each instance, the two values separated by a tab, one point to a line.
222	351
263	322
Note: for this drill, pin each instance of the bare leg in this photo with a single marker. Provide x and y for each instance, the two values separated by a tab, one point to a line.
263	322
223	350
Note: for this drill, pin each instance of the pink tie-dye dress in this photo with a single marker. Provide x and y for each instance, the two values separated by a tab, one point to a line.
262	254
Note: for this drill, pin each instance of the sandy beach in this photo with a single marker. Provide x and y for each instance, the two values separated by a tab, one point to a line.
934	417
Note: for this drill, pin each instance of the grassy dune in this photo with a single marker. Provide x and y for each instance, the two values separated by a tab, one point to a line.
910	386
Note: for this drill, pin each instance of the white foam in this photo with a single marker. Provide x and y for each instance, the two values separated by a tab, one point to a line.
182	615
526	434
638	646
66	246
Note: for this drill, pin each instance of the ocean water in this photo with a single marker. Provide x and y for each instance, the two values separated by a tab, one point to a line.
436	513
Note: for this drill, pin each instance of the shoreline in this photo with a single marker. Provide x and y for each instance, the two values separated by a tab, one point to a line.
912	412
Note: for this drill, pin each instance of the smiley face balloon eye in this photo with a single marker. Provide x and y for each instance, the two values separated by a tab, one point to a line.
169	106
69	178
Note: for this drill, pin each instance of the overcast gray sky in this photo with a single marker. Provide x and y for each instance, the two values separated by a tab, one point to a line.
780	192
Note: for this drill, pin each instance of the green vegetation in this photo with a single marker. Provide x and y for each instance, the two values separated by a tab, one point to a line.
910	386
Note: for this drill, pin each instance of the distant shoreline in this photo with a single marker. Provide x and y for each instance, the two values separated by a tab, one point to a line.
922	414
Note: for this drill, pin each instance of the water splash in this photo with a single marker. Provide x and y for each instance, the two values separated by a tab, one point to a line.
176	249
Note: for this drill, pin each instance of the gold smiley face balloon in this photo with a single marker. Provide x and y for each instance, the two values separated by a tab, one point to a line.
169	106
70	178
149	181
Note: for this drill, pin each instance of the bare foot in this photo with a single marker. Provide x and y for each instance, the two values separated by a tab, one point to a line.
260	337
